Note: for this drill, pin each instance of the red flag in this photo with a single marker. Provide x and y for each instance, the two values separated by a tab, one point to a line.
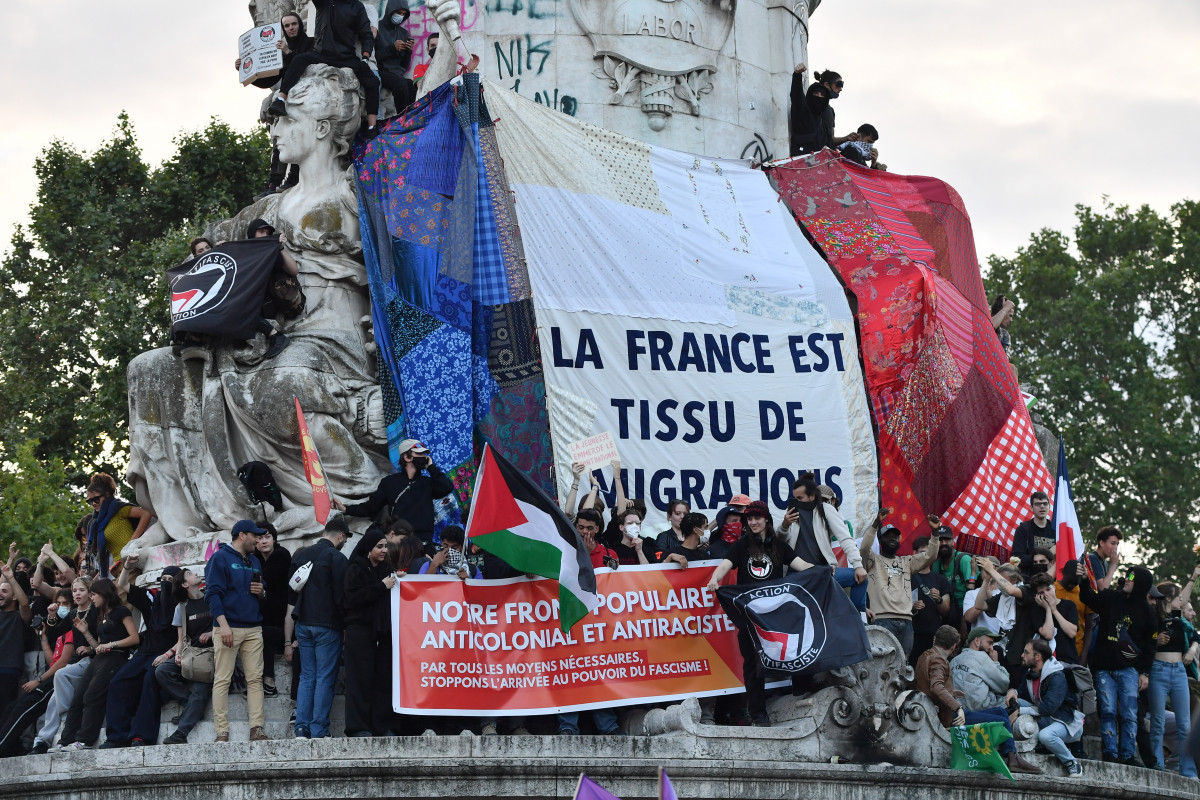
313	471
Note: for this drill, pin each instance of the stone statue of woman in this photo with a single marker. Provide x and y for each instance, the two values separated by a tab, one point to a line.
193	424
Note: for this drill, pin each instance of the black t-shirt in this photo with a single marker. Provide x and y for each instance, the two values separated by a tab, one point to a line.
1028	618
698	554
806	541
627	554
1064	646
112	629
763	565
197	620
1173	627
928	620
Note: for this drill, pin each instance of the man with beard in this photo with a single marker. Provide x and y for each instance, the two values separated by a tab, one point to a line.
890	586
955	567
1035	532
817	524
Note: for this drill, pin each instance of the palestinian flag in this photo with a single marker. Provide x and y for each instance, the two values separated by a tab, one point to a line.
511	517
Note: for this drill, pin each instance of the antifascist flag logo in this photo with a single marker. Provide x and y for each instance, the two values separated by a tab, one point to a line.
785	628
267	34
222	292
203	287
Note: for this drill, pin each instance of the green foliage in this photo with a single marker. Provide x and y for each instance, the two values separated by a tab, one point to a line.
36	504
1107	333
82	290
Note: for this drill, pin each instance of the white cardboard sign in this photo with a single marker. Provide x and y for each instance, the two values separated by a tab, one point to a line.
595	451
258	54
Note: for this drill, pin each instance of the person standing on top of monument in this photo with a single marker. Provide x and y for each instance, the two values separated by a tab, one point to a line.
394	51
343	32
1100	566
817	524
812	117
954	566
1035	532
409	493
890	586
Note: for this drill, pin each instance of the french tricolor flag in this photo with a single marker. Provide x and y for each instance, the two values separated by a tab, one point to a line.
1068	537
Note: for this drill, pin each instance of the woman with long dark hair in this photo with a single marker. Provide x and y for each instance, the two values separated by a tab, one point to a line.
368	650
1168	676
760	555
116	638
194	625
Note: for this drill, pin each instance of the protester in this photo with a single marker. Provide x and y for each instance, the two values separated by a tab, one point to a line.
1034	532
811	116
760	555
117	636
934	678
132	715
931	608
194	629
817	525
66	679
295	41
394	51
1060	622
234	588
862	151
397	529
1027	615
343	31
631	548
1168	677
58	644
276	569
319	624
451	557
694	546
407	555
890	586
954	566
368	584
1002	316
1103	563
64	574
114	523
409	493
728	526
1121	657
978	673
673	536
1046	693
1067	589
15	616
199	246
976	603
431	46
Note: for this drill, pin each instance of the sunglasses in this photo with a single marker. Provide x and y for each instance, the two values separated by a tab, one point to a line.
95	501
838	84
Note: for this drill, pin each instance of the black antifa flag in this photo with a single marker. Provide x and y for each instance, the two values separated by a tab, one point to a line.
800	623
222	292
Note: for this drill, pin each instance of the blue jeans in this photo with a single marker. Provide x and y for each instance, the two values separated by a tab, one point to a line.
1170	680
605	719
193	694
1056	736
858	591
320	651
900	628
997	714
1117	691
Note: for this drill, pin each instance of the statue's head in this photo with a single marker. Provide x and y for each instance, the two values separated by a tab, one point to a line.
323	112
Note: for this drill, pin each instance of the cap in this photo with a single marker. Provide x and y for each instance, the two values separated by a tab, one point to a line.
171	571
413	445
887	530
758	509
980	631
1154	592
246	526
256	225
739	500
945	532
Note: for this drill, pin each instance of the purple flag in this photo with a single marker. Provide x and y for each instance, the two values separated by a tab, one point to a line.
588	789
665	790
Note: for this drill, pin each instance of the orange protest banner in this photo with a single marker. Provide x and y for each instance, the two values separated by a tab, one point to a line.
313	471
480	648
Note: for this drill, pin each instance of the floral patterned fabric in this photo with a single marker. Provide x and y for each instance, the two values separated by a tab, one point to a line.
944	396
446	277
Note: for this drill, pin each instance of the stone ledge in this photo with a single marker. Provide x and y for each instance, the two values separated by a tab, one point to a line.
530	766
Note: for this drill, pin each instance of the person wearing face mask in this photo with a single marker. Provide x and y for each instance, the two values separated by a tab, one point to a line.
727	527
134	702
812	116
890	586
694	546
57	640
816	525
451	558
408	493
394	50
630	548
80	616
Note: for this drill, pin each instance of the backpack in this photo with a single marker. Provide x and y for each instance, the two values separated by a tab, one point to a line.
1079	680
260	483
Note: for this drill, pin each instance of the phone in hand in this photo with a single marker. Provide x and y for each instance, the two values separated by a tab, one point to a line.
256	577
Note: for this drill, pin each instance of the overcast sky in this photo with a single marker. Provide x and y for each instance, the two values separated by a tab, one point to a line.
1025	107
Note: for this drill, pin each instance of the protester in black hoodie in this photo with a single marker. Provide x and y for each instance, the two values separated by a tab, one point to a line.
393	52
1121	656
134	700
295	41
343	34
812	116
369	579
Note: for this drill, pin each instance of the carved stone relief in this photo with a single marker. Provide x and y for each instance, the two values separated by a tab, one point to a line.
659	52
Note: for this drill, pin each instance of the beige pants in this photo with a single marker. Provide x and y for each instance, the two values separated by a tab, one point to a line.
248	643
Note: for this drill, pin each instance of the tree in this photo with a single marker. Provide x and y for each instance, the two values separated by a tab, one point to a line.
1107	335
82	290
36	505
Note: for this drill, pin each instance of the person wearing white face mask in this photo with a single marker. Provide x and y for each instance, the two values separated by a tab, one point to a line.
630	549
394	50
694	547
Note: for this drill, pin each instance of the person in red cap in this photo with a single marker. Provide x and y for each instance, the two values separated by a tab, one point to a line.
409	493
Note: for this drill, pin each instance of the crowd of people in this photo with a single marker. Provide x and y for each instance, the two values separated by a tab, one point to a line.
989	641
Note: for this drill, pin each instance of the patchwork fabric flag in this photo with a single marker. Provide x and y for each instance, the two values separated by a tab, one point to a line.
221	293
955	438
800	623
1065	524
975	747
514	519
450	301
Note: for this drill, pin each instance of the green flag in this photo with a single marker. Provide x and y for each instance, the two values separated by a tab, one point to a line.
976	747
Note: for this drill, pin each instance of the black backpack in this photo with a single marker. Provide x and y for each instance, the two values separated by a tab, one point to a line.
260	483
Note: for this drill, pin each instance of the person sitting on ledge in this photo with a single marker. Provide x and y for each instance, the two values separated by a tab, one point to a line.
1046	694
935	680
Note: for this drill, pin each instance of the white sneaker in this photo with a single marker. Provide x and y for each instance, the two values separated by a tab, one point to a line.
1074	770
74	746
